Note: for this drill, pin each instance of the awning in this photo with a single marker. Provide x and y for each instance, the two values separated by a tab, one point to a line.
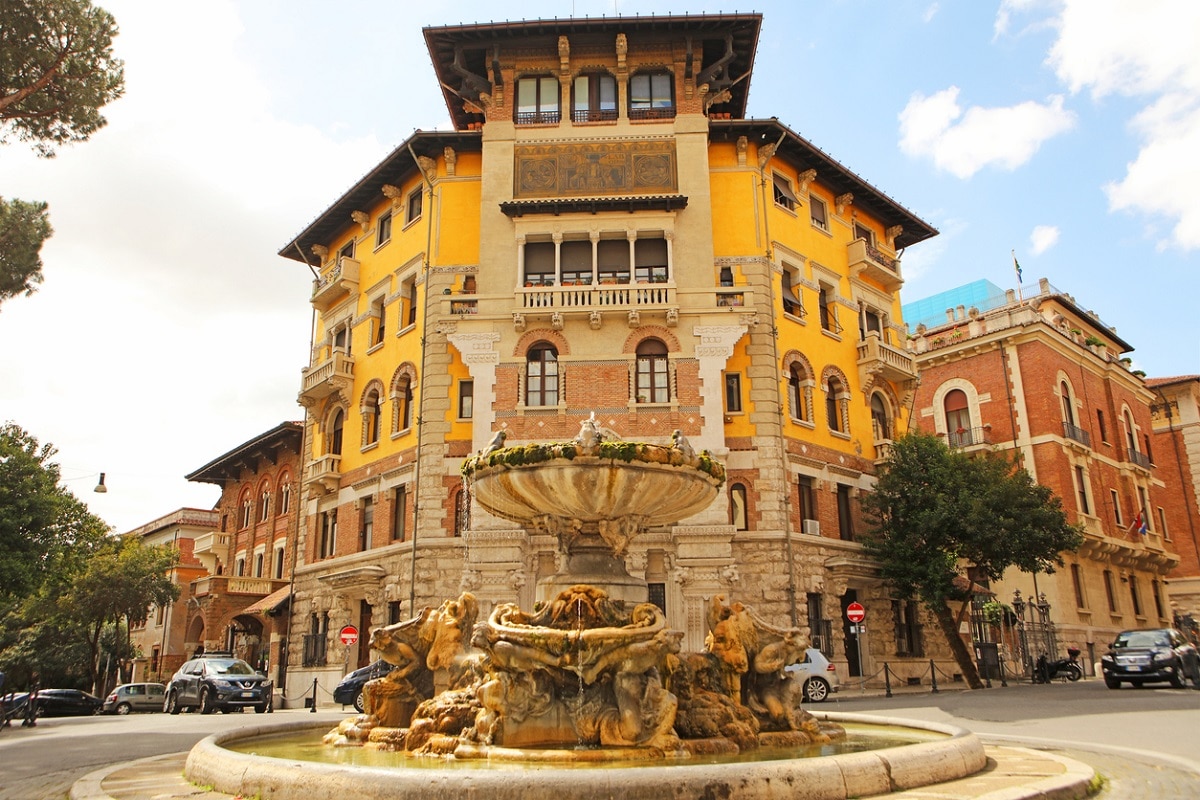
271	603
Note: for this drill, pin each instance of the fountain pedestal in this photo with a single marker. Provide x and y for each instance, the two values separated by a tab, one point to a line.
590	560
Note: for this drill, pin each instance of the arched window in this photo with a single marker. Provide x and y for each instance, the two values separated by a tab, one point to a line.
335	433
402	397
264	503
245	507
796	406
1130	432
653	385
738	517
371	412
1068	405
879	418
541	375
833	405
958	418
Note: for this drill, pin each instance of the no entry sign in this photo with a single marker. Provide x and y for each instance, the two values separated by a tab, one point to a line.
348	635
856	613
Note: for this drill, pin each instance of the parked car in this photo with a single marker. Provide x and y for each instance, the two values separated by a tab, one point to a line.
1150	655
819	675
217	682
349	691
135	697
67	703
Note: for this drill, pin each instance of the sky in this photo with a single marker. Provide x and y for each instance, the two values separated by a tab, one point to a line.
168	330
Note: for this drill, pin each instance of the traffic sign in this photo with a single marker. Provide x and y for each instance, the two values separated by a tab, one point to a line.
856	613
348	635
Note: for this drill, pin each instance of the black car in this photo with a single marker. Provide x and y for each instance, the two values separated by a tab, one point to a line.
1150	655
67	703
217	683
349	691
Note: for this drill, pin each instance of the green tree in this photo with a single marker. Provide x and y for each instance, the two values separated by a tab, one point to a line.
57	70
935	511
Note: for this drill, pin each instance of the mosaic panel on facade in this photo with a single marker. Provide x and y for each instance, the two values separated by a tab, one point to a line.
595	169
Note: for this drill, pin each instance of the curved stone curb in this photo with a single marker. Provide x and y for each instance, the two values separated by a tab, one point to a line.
826	778
89	786
1073	784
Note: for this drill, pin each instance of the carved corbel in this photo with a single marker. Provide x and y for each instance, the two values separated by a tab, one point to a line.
393	193
564	56
595	320
765	153
556	320
622	51
723	96
518	322
893	233
451	159
805	178
635	319
672	317
428	166
843	200
743	146
362	218
320	251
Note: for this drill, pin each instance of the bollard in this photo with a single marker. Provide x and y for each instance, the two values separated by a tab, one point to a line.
314	697
887	680
1003	682
933	676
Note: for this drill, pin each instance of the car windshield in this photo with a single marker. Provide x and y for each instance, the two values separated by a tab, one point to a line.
1142	639
230	666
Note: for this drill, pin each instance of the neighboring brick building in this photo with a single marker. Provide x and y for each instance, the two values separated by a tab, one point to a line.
160	639
603	231
1041	376
1176	420
241	605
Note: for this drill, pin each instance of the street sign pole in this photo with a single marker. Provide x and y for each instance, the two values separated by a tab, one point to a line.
856	613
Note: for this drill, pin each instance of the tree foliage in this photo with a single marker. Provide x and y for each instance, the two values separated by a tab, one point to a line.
57	70
935	511
24	227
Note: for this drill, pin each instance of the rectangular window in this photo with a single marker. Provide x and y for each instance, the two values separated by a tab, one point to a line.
1162	524
827	309
1156	590
408	300
259	558
658	595
1077	583
1100	426
1146	443
1144	507
816	210
595	98
414	206
1081	484
1116	504
466	399
393	612
790	280
279	555
650	260
1134	595
808	499
784	197
733	393
650	96
845	522
383	229
908	628
537	101
347	250
160	615
1109	592
367	528
379	314
399	513
864	233
540	260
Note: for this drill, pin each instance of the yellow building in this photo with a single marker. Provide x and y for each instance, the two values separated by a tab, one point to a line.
604	231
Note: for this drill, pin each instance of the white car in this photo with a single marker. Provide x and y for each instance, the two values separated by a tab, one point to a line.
819	675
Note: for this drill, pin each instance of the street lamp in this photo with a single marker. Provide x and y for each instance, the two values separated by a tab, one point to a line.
100	487
1018	605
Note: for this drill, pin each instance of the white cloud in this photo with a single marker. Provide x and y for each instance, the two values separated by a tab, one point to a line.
1148	51
962	143
930	12
1043	238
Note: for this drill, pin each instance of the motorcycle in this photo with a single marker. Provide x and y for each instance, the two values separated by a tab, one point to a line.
1062	668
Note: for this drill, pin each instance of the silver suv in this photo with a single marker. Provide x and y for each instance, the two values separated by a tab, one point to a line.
217	683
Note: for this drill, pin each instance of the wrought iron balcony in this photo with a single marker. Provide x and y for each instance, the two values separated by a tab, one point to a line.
969	437
867	261
335	284
1140	459
877	358
1077	434
335	374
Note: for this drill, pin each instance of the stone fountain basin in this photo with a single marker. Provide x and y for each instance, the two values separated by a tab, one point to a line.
591	488
834	777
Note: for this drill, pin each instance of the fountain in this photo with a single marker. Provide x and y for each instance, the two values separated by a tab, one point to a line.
594	674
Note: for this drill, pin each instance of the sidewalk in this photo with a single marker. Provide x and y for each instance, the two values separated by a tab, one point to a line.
1013	773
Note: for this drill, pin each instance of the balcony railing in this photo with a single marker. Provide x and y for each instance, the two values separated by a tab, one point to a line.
538	117
1078	434
332	375
877	357
211	548
968	437
652	113
617	297
594	115
324	473
869	262
339	281
1141	459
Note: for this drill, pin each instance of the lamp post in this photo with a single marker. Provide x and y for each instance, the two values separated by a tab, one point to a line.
1018	603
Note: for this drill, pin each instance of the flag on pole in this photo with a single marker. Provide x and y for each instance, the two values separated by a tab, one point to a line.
1139	524
1017	267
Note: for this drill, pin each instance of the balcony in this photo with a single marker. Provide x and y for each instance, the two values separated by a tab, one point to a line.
333	285
620	297
211	548
335	374
1077	434
1140	459
876	358
324	474
868	262
968	437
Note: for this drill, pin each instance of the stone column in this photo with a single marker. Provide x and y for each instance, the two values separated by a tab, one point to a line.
713	351
479	354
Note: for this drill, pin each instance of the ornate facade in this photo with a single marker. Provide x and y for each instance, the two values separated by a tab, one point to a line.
604	231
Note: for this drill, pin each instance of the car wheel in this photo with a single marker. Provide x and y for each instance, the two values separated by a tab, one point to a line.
1112	683
261	708
1177	679
171	705
359	702
206	701
816	690
123	709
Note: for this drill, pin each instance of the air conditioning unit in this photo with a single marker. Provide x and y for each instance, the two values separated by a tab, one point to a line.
811	526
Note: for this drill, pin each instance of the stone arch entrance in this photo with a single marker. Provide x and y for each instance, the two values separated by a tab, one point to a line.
245	639
194	640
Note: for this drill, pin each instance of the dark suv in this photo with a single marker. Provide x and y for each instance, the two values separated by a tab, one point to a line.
1151	655
217	683
349	691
